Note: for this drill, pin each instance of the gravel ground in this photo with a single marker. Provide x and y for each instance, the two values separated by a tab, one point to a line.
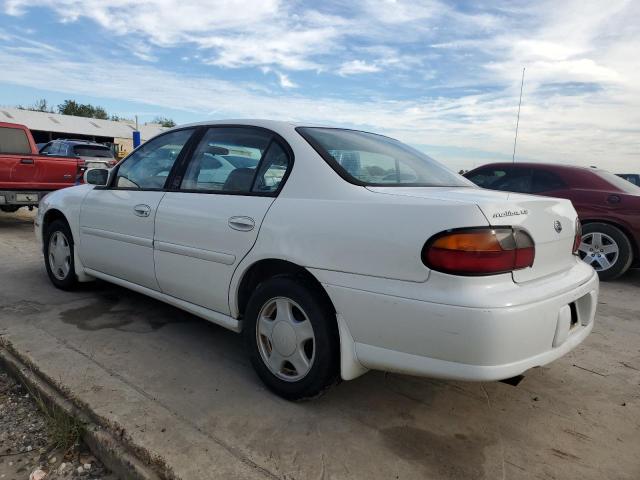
26	451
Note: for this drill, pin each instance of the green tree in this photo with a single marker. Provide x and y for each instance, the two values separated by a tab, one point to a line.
164	121
71	107
40	105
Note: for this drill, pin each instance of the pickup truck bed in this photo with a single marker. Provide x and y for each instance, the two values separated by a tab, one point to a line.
25	175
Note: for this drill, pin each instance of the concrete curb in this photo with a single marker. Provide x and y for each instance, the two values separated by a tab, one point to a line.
111	451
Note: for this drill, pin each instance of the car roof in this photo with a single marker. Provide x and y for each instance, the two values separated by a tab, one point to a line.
77	141
255	122
549	166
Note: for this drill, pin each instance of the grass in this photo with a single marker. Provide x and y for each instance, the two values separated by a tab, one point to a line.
64	431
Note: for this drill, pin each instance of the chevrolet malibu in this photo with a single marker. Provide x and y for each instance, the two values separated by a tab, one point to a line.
332	251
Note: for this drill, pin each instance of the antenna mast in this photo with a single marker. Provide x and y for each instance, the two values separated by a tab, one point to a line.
515	140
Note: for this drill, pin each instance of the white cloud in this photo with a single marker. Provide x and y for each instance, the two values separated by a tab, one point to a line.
284	81
355	67
234	32
559	128
581	94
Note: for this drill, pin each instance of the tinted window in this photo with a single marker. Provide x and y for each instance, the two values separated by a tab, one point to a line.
226	160
366	158
620	183
54	149
46	149
545	181
630	177
92	151
149	166
14	140
507	179
272	169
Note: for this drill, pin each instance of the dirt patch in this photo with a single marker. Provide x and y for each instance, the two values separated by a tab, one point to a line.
457	456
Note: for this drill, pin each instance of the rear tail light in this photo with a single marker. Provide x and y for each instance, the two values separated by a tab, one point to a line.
479	251
577	240
80	169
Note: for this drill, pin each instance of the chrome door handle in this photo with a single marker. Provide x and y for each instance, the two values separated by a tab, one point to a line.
142	210
243	224
26	161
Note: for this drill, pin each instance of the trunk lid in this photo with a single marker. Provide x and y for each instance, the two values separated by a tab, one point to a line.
549	221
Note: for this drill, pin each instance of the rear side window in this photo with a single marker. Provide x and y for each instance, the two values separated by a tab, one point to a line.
619	183
92	151
506	179
226	160
369	159
545	181
272	169
14	140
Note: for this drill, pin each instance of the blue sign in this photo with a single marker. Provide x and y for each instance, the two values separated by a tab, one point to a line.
136	139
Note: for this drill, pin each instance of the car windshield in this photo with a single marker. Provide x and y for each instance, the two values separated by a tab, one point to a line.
620	183
92	151
374	160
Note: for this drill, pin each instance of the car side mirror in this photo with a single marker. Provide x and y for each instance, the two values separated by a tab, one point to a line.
96	176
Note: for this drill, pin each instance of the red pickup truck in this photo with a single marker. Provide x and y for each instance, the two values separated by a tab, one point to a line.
25	175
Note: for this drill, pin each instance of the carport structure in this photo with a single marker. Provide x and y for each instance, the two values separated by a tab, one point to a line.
50	126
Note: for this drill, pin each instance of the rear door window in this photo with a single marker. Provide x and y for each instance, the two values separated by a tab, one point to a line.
226	160
14	140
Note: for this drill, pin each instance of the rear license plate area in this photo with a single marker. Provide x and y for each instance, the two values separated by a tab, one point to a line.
26	197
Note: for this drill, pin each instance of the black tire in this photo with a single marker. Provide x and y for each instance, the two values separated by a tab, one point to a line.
9	208
324	370
70	280
625	252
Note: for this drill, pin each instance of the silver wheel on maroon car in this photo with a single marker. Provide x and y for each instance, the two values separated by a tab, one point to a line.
599	250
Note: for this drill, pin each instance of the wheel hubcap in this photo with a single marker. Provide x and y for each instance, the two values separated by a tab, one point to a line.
59	255
599	250
285	338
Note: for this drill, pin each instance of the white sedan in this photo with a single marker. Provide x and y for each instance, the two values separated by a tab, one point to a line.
333	251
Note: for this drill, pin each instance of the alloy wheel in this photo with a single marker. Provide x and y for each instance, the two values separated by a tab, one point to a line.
599	250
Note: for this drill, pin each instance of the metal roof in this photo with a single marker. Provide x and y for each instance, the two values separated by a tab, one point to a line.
54	122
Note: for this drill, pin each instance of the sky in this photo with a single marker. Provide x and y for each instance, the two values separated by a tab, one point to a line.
442	76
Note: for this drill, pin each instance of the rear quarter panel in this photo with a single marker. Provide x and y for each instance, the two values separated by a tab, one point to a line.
369	234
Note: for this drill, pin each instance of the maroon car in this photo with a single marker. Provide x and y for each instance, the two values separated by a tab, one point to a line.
608	207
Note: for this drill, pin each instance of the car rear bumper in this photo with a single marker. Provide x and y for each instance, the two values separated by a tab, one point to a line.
22	198
419	337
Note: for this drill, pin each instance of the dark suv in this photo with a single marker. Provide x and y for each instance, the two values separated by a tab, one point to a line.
608	206
94	155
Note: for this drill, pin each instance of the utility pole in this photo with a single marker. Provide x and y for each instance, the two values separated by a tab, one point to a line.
515	140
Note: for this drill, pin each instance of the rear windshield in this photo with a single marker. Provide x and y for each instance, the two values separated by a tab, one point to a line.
92	151
620	183
374	160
